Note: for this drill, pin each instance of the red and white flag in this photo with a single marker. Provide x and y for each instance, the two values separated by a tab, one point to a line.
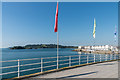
56	19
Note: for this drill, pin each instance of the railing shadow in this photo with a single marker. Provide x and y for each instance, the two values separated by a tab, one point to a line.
78	75
106	64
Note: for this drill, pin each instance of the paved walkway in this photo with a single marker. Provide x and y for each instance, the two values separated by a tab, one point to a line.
101	70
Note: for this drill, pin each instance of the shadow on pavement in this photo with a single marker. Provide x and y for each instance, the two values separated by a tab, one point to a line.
79	75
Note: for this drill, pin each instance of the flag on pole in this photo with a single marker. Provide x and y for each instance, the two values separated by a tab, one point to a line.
115	33
56	19
56	30
94	28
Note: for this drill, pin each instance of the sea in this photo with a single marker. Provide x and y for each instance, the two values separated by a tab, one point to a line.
8	54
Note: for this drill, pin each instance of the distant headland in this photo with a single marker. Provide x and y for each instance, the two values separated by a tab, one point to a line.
38	46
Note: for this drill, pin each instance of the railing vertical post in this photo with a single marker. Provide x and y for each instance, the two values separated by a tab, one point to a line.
41	64
79	59
87	59
106	57
100	57
18	68
69	61
94	58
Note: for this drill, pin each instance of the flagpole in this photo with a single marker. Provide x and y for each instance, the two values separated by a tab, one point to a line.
94	42
57	49
56	30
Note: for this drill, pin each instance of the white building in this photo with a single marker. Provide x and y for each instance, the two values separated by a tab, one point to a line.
100	47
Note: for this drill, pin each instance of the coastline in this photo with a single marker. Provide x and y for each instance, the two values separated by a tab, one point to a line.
38	46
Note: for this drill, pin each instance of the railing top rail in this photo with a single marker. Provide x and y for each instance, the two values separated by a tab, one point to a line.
9	61
30	59
40	58
72	55
20	60
27	59
49	57
8	67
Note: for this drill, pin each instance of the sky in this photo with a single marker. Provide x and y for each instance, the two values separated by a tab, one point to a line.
33	23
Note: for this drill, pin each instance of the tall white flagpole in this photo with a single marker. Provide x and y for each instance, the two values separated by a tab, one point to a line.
57	49
57	39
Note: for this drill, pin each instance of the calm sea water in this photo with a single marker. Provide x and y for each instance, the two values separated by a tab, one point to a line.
8	54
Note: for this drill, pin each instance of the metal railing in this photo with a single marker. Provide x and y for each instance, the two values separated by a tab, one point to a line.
63	60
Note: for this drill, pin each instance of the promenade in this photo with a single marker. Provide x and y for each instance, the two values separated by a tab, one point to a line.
100	70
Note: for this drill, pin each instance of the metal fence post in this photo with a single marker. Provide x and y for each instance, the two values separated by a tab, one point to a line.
18	68
94	58
106	57
87	59
79	59
69	61
100	57
41	64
